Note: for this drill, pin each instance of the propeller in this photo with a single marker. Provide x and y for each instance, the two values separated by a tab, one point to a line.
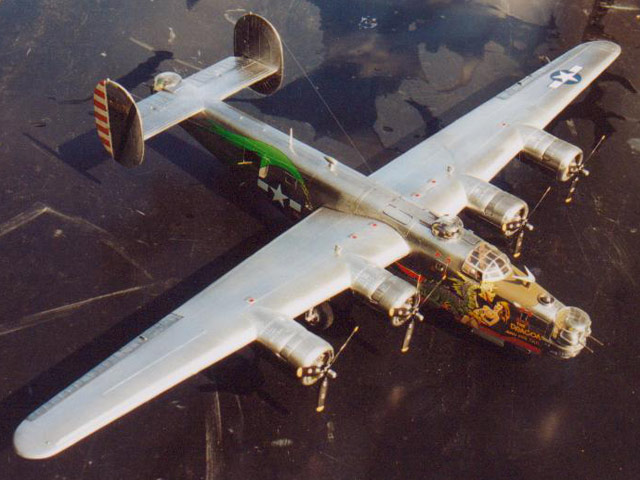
325	372
525	225
413	312
579	171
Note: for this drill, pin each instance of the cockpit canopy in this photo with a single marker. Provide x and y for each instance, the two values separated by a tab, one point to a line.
486	263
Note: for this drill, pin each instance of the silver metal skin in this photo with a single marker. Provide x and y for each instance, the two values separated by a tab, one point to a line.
483	141
384	290
498	207
447	227
555	154
256	39
292	342
166	81
572	328
353	227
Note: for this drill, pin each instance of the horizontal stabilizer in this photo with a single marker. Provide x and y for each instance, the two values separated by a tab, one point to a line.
124	125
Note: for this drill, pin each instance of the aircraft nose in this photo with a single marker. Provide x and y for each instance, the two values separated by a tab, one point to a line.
573	327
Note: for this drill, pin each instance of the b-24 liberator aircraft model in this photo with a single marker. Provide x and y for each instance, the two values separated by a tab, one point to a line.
352	228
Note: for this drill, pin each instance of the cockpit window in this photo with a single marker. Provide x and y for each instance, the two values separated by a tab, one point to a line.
485	263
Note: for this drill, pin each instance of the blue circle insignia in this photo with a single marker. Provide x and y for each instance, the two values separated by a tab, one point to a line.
565	77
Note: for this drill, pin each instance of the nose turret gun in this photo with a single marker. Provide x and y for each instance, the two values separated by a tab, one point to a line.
570	333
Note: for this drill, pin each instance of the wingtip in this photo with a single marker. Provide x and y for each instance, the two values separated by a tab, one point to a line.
29	442
608	46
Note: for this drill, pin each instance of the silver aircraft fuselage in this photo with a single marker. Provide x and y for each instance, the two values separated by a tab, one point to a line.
513	309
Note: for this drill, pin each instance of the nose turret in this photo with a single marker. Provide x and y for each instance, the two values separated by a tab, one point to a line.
572	328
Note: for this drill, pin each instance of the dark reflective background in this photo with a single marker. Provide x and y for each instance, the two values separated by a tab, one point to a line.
93	253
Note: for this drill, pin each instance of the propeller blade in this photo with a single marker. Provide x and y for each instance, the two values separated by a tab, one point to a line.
595	149
582	172
407	336
572	189
517	250
418	297
344	345
435	287
322	395
546	192
525	225
326	372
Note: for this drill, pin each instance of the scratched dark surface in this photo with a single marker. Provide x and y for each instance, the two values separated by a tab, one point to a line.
91	253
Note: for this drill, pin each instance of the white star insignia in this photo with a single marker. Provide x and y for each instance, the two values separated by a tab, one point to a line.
563	76
278	196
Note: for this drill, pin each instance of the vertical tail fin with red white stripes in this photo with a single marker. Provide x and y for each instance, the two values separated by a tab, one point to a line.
101	114
118	123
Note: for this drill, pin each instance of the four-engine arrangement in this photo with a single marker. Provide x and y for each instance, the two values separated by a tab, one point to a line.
394	237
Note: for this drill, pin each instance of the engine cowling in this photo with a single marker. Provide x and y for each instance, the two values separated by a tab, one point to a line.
292	342
386	291
495	205
552	153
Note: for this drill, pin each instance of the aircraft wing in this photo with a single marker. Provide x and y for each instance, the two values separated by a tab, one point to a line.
316	259
482	142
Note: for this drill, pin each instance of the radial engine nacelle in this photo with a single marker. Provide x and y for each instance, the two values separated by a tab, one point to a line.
552	153
385	291
291	342
498	207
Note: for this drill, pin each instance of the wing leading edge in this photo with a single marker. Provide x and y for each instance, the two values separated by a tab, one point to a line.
313	261
482	142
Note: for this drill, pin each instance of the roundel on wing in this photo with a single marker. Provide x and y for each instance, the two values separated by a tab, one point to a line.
565	77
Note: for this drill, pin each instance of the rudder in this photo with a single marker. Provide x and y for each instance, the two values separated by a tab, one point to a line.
118	123
255	38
